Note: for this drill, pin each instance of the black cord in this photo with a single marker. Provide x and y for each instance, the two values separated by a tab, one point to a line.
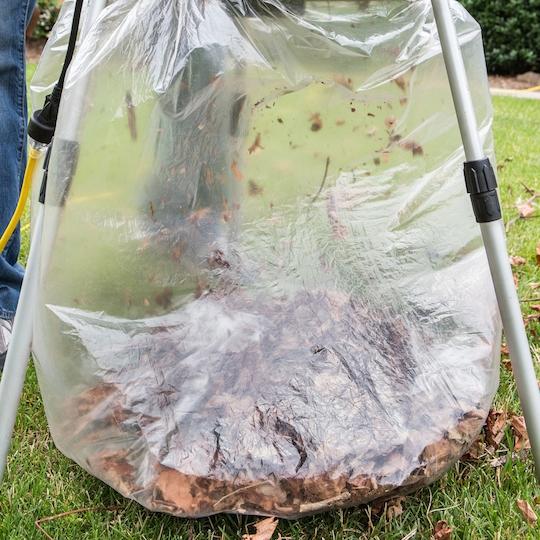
72	41
42	124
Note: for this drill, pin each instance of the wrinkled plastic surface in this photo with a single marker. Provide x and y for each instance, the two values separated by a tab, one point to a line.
264	290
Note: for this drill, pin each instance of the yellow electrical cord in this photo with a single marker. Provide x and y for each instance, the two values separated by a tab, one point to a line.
33	156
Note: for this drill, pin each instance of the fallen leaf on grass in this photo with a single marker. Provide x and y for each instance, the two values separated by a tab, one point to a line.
264	530
521	437
476	450
394	508
498	461
516	260
390	508
535	307
507	364
505	350
525	210
526	511
538	254
495	425
442	531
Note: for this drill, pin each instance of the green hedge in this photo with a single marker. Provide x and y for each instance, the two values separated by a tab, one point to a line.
511	30
49	10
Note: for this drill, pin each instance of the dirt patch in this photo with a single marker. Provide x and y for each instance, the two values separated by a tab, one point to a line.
525	81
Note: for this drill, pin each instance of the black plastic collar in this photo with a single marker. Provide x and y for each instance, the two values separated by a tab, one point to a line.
481	184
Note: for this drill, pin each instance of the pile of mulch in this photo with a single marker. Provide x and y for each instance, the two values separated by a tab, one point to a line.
524	81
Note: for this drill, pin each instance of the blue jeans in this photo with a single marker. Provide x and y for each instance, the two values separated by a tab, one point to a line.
14	15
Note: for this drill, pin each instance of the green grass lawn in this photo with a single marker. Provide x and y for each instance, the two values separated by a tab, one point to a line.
476	500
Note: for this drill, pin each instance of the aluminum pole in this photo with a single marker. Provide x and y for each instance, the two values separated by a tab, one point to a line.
493	234
12	382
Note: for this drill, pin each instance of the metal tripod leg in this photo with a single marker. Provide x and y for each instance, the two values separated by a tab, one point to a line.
12	382
492	234
18	355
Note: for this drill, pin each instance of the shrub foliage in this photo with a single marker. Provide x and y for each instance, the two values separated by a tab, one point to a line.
49	10
511	31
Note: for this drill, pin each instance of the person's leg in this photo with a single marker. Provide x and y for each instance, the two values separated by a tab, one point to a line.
15	14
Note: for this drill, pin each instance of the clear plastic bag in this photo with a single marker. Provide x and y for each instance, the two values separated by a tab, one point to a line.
264	290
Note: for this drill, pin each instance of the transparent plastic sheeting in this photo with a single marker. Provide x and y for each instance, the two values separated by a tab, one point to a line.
264	290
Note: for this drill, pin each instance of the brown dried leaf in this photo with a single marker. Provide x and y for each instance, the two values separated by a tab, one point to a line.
442	531
400	81
132	120
256	146
316	122
535	307
521	437
254	188
413	146
198	215
504	349
264	530
538	254
164	298
498	461
517	260
495	425
394	507
476	451
525	210
390	122
526	511
342	80
236	171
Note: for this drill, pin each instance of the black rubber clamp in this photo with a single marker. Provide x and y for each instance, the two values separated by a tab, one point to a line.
481	185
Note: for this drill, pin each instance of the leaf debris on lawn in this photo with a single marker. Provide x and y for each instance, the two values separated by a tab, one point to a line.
442	531
495	425
391	508
516	260
526	511
525	209
521	437
264	529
